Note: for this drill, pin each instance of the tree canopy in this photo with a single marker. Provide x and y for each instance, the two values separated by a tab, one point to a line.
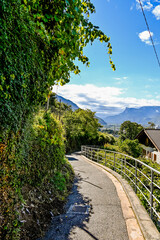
81	127
129	130
40	41
151	124
131	147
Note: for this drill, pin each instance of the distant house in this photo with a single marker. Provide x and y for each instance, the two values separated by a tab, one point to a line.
150	141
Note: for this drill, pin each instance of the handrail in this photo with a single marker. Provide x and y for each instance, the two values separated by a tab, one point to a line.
133	173
128	157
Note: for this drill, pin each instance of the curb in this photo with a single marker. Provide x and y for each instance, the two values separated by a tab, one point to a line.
147	227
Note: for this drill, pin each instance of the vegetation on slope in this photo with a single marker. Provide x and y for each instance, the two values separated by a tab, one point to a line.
39	42
34	172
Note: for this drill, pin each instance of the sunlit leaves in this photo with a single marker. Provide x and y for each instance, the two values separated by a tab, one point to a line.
68	22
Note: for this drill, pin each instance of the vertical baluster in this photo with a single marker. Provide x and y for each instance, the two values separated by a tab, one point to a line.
151	195
135	176
114	162
97	156
105	163
122	167
125	165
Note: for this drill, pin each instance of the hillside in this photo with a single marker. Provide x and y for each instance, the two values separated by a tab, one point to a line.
141	115
67	101
75	107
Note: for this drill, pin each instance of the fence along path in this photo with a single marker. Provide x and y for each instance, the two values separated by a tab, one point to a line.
144	179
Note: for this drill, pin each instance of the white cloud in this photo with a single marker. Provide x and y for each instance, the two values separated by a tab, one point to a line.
132	6
100	98
83	94
120	80
156	12
147	5
145	37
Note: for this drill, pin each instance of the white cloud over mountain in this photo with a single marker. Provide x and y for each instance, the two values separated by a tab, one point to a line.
100	99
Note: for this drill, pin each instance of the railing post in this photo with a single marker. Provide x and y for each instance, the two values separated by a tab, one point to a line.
125	166
97	156
121	166
135	176
105	163
91	154
151	196
114	161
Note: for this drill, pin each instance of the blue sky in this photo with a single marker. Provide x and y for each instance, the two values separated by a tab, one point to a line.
136	81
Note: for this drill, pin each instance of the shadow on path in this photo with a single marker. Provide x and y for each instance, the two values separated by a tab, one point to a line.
92	184
72	159
90	234
62	225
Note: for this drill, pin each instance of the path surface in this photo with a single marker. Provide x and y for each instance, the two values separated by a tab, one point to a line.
103	221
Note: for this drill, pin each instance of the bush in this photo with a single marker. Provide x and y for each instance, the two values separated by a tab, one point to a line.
81	128
131	147
104	138
32	157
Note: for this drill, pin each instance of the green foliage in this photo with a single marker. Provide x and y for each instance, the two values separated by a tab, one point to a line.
151	124
39	42
56	107
81	127
104	138
131	147
22	82
111	147
68	31
33	157
129	130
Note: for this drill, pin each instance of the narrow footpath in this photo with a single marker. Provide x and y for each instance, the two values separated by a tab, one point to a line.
93	210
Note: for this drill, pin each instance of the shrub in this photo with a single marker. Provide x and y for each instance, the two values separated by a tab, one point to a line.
131	147
32	157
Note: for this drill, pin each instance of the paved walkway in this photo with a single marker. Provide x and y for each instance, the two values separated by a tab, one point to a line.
106	220
103	219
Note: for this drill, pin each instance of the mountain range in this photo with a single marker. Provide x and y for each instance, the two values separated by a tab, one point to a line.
75	107
67	101
141	115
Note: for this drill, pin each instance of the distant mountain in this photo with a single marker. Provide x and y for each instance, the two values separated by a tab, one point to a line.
141	115
68	102
75	107
104	111
101	121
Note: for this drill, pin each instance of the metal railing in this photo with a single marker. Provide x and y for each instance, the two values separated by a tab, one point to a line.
144	179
